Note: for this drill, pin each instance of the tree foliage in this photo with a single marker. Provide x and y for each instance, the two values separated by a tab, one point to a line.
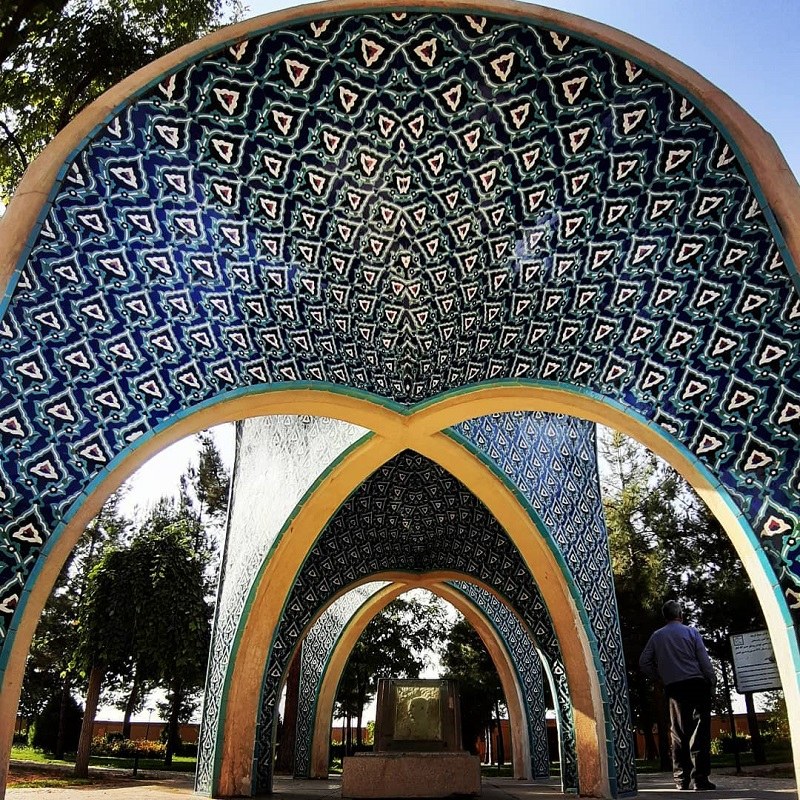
134	607
210	480
665	543
466	659
50	671
58	56
638	496
204	494
393	645
146	613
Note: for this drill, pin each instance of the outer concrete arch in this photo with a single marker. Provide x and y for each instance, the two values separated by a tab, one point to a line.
758	149
41	218
270	591
490	638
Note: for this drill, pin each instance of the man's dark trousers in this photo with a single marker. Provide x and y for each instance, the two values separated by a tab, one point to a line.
690	729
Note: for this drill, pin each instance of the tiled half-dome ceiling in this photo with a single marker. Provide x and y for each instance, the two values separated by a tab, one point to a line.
401	204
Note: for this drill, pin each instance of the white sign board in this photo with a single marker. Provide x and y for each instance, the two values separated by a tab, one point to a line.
754	662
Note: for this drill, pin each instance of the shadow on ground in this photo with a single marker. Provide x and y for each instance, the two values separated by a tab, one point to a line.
107	784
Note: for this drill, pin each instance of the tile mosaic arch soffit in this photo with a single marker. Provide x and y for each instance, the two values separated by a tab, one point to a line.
401	204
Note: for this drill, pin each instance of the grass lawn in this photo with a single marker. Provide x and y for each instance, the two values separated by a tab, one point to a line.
492	771
179	763
47	782
776	754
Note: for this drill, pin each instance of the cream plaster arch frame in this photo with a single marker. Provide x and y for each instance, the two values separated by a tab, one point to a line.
421	430
756	150
402	583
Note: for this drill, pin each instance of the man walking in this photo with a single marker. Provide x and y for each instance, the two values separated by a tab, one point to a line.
676	654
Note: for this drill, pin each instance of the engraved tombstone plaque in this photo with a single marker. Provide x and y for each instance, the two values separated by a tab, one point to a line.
417	715
417	746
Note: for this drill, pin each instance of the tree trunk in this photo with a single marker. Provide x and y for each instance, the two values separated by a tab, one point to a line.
359	717
85	742
130	705
285	760
501	750
756	742
173	725
62	718
348	748
363	685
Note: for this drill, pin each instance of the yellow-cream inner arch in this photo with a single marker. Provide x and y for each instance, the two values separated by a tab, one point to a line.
402	583
420	431
239	708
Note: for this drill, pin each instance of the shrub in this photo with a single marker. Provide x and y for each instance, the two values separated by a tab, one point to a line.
187	749
126	748
724	744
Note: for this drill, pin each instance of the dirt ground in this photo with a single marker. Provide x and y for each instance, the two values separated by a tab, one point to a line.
28	775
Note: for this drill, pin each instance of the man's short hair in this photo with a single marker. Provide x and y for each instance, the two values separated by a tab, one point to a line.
672	610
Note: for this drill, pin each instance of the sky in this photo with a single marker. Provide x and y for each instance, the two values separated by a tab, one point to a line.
748	48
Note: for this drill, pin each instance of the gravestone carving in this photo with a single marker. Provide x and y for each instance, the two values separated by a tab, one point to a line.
417	715
417	745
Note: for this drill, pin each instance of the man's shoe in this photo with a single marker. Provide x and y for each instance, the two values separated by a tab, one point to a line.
704	786
683	785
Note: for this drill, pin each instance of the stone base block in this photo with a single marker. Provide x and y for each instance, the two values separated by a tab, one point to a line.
411	775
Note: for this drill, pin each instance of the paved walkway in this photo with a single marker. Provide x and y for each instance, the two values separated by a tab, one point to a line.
651	787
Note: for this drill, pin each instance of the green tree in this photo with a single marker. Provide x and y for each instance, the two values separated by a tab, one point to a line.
393	645
48	677
58	56
146	613
714	582
466	659
778	721
108	627
204	489
664	543
639	494
175	630
210	480
49	670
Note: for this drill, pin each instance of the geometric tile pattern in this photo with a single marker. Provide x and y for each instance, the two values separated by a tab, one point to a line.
401	203
551	459
317	649
410	514
525	657
278	459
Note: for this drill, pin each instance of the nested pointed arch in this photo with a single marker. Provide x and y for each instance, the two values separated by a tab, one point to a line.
508	670
333	538
402	202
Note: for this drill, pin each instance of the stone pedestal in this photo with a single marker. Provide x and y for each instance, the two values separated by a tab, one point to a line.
400	774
